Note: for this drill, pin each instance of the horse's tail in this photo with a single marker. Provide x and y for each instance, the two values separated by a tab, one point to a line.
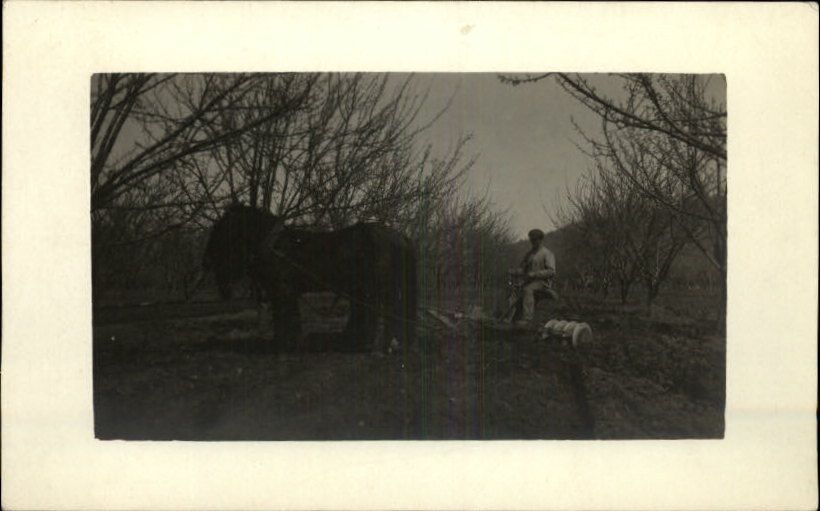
406	286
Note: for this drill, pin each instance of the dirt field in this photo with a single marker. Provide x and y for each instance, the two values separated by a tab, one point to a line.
204	372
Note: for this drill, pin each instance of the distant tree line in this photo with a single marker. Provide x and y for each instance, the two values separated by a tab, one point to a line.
578	270
657	183
170	151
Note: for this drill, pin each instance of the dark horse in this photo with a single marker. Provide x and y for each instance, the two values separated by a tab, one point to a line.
370	265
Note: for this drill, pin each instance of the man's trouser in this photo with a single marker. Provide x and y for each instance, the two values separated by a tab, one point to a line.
528	298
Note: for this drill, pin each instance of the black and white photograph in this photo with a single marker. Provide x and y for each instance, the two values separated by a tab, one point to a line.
390	256
409	255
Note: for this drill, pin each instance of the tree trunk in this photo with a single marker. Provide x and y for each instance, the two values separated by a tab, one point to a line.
652	289
625	292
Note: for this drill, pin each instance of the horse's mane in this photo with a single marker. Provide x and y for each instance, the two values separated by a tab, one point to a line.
234	241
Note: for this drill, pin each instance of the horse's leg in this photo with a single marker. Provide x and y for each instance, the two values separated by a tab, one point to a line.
398	296
404	315
279	322
360	329
395	312
383	329
287	321
384	326
352	331
294	321
263	319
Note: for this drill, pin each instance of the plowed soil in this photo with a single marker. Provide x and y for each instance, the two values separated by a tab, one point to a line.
212	372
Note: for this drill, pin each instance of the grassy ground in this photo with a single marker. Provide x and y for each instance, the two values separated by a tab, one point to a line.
204	371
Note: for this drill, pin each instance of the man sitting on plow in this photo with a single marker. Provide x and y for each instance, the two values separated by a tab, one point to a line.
534	279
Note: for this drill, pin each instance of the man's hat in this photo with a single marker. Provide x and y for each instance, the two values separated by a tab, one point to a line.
536	234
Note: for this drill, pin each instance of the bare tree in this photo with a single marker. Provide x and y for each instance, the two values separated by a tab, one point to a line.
462	243
629	236
318	149
149	134
165	118
667	135
350	151
601	217
675	106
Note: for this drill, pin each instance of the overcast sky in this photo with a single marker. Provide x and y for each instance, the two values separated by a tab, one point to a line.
523	136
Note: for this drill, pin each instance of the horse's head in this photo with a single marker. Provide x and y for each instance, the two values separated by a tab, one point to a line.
235	241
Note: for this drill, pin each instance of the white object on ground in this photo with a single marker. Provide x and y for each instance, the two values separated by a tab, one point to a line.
568	329
580	333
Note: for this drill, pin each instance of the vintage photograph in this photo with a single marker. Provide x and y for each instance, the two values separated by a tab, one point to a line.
392	256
